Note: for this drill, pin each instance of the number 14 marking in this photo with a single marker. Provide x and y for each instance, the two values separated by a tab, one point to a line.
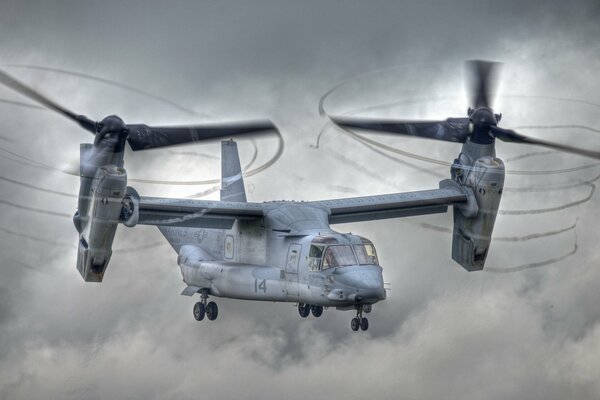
260	285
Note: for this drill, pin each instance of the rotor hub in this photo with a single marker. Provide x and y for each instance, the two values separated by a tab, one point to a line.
112	124
483	116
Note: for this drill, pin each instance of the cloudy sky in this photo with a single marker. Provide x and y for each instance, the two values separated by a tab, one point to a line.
529	327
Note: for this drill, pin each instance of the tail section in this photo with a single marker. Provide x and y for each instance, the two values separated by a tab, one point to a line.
232	181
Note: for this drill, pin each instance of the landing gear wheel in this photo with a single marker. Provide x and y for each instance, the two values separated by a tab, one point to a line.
317	311
199	311
364	324
303	310
354	324
212	311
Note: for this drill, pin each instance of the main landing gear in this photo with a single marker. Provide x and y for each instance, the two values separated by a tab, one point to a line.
359	321
202	308
305	309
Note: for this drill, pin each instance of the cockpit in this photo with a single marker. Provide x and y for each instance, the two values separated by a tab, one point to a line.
328	252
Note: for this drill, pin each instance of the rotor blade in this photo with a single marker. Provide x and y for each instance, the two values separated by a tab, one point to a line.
142	137
451	129
482	82
508	135
25	90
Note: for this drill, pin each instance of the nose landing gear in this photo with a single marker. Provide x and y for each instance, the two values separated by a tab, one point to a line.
359	321
202	308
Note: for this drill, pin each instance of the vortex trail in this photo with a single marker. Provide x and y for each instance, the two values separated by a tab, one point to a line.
524	267
525	238
261	168
36	164
20	183
415	156
438	98
551	209
72	246
35	238
27	266
35	210
110	83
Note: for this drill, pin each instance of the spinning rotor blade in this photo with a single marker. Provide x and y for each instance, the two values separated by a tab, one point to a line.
451	130
25	90
508	135
142	137
482	82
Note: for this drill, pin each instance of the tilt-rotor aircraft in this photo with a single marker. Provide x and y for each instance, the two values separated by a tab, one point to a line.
285	251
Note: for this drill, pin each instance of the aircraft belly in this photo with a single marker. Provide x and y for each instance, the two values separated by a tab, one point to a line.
250	283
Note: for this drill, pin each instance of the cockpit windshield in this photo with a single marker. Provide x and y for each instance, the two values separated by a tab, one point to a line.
338	255
366	254
326	253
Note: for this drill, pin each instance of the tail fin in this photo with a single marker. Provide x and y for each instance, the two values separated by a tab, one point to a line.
232	181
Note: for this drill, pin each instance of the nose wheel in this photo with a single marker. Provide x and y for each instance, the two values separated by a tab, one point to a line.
359	322
204	308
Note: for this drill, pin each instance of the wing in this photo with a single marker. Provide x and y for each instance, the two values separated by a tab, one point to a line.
195	213
395	205
222	214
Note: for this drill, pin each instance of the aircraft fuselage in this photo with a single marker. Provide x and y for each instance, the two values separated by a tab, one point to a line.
263	261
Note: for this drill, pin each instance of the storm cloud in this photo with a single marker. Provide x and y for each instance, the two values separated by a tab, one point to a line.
442	333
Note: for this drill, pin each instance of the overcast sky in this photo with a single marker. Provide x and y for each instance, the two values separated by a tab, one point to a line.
527	328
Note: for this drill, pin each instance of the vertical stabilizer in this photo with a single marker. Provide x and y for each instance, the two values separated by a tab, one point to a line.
232	181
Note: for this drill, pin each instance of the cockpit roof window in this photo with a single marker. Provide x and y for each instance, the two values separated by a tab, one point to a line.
325	240
365	240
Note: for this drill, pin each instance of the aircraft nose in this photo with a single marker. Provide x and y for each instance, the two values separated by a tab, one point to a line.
362	278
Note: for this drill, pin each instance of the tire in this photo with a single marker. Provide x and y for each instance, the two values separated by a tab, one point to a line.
199	311
317	311
212	311
364	324
303	310
354	324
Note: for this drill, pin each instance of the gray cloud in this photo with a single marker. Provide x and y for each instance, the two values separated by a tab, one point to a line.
442	332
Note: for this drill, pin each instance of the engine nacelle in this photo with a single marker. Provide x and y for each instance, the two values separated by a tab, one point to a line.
473	226
95	241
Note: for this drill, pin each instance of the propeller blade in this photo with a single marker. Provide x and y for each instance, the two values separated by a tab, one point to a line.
482	82
25	90
508	135
451	129
142	137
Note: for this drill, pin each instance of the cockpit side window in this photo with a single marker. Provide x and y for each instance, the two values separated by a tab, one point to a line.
337	256
366	254
314	258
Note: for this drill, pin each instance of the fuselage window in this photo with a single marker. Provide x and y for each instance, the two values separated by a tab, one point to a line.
338	256
293	259
314	258
366	254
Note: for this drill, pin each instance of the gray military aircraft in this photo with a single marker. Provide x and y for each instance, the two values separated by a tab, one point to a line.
285	251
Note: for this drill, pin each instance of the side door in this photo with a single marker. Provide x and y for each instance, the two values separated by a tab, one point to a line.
291	270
